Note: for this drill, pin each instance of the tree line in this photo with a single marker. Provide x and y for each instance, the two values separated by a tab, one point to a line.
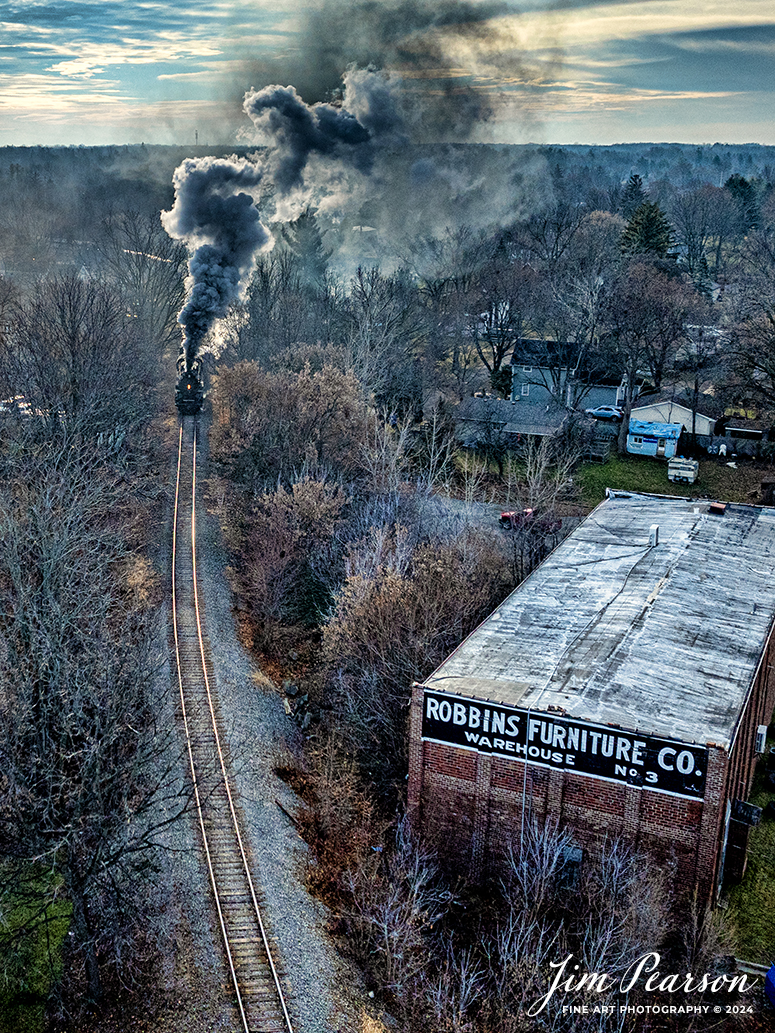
654	294
582	265
90	776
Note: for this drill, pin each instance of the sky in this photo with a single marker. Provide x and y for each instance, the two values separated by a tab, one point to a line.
175	71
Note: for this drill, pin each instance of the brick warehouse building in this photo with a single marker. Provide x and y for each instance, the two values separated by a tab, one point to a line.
633	669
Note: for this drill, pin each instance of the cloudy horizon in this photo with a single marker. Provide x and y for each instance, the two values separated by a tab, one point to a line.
101	72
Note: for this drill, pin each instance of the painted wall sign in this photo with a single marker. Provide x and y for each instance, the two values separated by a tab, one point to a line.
665	765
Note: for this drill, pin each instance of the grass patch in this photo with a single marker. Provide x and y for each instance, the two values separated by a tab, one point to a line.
752	902
33	924
649	476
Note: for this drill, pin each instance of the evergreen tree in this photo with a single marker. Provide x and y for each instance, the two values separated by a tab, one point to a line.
304	240
648	232
633	196
745	198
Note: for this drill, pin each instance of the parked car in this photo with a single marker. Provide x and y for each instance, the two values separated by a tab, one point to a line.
606	412
514	519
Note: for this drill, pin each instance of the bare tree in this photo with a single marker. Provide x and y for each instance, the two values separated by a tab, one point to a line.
285	306
28	228
750	314
571	318
646	319
536	860
517	951
395	905
75	356
435	449
501	307
148	267
703	219
89	775
386	326
625	908
548	235
705	935
549	463
494	441
9	295
455	990
385	452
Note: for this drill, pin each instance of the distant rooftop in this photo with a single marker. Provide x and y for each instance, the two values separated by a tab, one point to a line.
524	416
664	639
707	405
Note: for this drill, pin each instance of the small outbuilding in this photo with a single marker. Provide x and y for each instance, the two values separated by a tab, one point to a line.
653	439
667	410
683	470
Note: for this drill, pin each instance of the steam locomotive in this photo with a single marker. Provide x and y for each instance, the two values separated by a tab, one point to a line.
190	391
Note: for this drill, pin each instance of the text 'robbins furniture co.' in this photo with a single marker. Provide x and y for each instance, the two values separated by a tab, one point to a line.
621	689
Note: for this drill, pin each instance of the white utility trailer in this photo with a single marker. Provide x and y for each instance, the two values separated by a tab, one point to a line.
684	470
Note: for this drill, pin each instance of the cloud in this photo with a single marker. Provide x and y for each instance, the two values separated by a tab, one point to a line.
470	62
736	60
90	59
50	14
596	24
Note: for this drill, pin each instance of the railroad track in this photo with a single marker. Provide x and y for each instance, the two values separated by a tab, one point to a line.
253	972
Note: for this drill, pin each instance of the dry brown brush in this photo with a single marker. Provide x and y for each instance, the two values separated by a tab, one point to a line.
399	612
268	426
284	556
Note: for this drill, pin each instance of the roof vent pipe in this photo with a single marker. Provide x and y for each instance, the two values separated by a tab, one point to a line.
654	535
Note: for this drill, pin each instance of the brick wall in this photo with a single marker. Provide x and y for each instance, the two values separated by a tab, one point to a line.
470	806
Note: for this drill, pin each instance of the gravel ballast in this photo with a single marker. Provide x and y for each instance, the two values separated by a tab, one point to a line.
258	731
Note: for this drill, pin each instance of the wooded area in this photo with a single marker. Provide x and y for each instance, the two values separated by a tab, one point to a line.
345	499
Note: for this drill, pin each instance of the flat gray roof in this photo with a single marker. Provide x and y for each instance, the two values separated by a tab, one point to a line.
664	639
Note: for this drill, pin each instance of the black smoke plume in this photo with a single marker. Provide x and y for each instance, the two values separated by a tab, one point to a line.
422	41
295	130
215	211
221	225
442	70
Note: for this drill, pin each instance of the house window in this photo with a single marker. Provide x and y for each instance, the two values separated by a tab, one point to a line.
526	389
636	440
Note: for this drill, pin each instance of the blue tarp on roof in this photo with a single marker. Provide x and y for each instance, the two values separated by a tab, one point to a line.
656	430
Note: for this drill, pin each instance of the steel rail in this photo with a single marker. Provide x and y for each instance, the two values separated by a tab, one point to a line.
247	1025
